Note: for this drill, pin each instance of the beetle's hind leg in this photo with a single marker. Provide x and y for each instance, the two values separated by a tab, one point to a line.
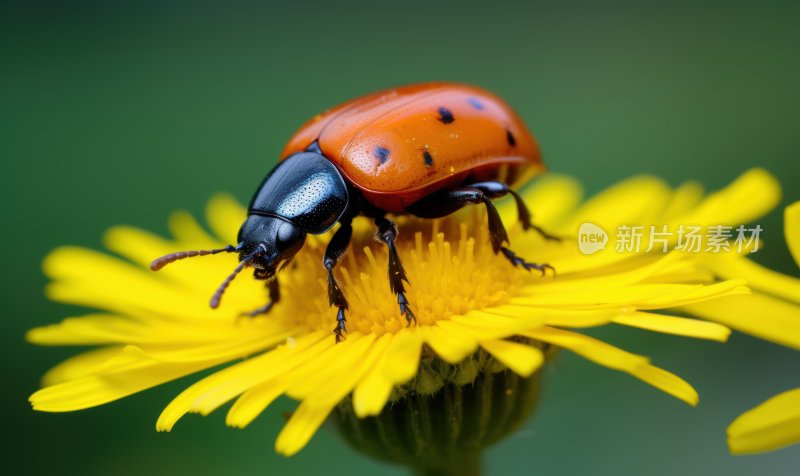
523	214
387	233
333	253
517	261
448	201
274	297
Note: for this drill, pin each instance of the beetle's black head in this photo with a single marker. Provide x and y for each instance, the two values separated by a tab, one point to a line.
268	244
305	193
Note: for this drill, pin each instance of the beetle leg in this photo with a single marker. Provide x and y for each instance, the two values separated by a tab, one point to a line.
499	189
517	261
336	248
387	233
274	297
446	202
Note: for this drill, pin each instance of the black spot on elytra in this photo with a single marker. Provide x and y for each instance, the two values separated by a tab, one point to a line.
381	153
428	158
475	103
512	141
445	115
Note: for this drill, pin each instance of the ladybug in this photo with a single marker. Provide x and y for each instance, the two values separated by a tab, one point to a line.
425	149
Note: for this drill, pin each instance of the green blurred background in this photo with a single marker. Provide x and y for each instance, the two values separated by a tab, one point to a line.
120	112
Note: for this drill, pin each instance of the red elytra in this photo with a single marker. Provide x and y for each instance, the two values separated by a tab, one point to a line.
401	144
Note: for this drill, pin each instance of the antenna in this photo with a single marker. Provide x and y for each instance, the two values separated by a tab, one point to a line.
159	263
217	297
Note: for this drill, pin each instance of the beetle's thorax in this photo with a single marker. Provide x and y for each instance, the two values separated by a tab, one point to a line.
305	189
303	194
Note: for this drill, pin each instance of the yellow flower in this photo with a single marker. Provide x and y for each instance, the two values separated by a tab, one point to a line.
158	327
776	422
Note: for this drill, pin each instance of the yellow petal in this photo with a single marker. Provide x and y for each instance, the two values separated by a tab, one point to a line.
404	354
188	232
93	279
297	353
615	358
674	325
343	359
225	215
371	395
226	349
526	317
490	325
791	230
759	315
99	329
749	197
642	296
451	349
300	428
614	206
550	198
730	266
523	359
683	200
344	379
254	401
397	365
139	246
773	424
667	382
105	387
81	365
580	318
640	271
225	384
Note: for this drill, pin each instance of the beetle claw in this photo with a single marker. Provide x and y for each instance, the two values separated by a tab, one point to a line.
405	310
517	261
341	328
340	337
410	318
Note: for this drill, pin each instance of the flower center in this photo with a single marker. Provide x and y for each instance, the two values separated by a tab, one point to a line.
450	265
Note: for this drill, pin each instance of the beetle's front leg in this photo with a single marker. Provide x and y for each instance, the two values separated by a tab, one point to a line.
387	233
274	297
333	253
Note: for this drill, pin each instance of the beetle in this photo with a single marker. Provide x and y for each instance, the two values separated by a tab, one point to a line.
426	150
